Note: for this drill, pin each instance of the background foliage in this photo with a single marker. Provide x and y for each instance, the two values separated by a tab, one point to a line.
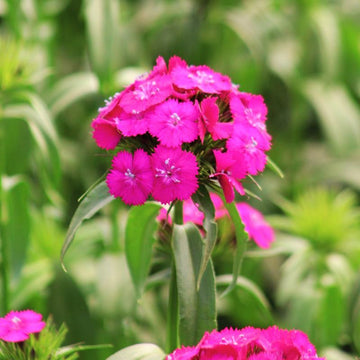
60	59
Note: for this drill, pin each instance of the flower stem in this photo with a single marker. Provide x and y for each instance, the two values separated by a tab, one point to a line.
172	328
172	331
178	213
4	266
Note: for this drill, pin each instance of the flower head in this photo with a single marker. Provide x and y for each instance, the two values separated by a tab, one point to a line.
175	174
16	326
198	113
131	177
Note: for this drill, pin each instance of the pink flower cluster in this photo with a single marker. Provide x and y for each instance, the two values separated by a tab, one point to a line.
178	126
255	225
16	326
249	344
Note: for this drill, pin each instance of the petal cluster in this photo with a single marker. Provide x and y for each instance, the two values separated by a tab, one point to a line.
16	326
209	130
249	344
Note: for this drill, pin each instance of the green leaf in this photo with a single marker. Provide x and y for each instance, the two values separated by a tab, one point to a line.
245	284
17	226
70	89
247	296
196	306
139	352
202	198
96	199
139	239
331	312
241	239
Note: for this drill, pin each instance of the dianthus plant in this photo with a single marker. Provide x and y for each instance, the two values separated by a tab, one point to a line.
182	137
178	128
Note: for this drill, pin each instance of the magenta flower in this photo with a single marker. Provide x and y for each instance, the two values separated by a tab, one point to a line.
250	109
105	133
174	122
131	177
131	124
229	170
175	174
255	225
249	344
246	144
16	326
146	93
209	121
201	78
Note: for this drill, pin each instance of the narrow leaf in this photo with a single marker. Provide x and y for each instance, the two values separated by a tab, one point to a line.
139	352
241	239
202	198
139	239
196	306
272	165
96	199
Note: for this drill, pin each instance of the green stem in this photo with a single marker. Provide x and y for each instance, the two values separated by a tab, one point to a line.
178	213
172	330
241	240
4	265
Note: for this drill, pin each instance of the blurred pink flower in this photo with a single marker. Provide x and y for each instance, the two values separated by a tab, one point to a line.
175	174
131	177
255	225
16	326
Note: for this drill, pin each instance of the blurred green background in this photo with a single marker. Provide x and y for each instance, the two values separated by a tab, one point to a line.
59	60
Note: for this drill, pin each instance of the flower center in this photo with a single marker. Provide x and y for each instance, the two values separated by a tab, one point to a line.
146	90
175	119
129	175
169	173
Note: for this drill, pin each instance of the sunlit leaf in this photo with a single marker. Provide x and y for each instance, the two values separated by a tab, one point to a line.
139	352
338	114
139	239
71	89
102	18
